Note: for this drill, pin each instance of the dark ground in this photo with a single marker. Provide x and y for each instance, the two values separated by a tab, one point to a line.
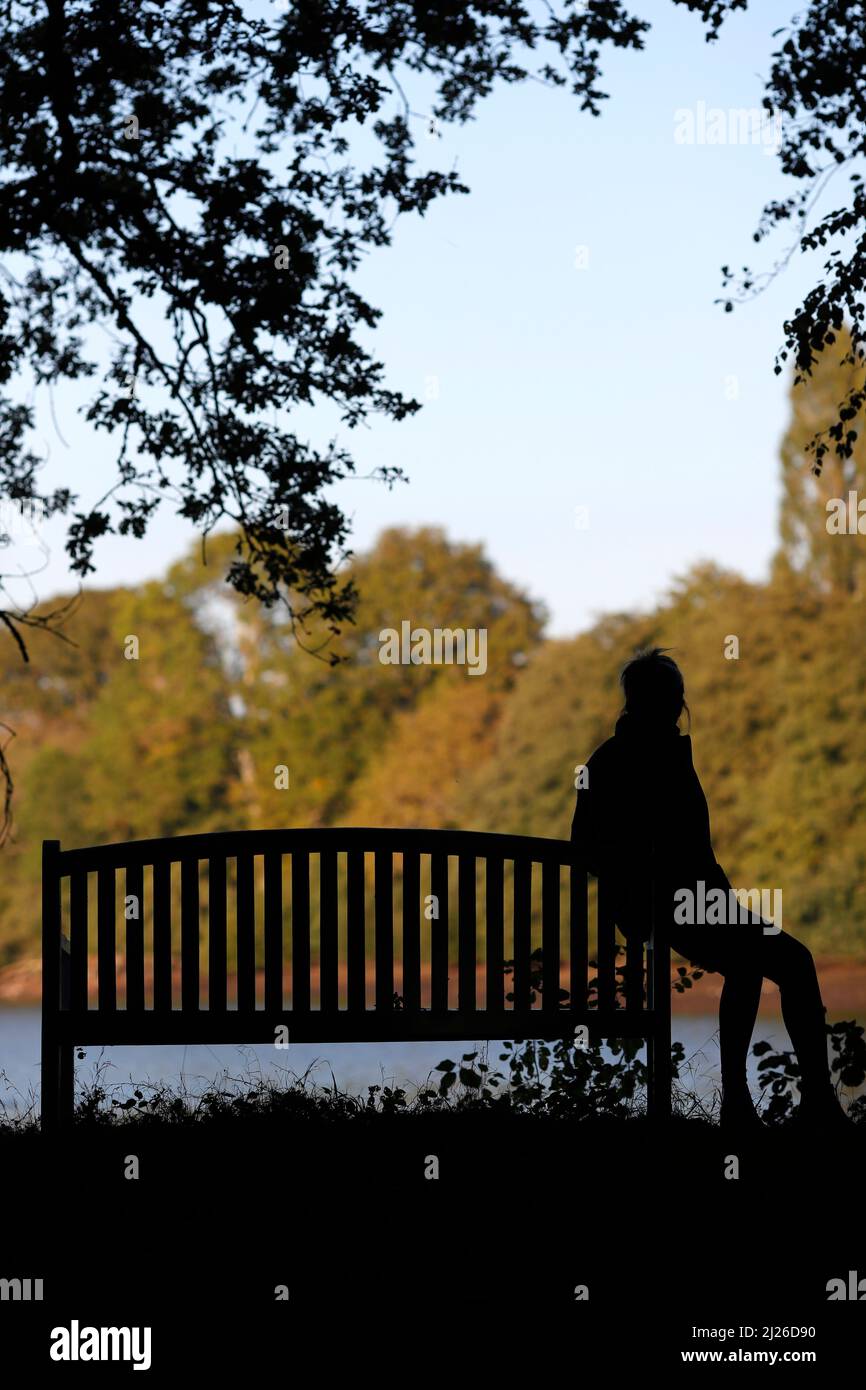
521	1214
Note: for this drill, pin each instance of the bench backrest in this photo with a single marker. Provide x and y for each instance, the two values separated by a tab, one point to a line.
352	933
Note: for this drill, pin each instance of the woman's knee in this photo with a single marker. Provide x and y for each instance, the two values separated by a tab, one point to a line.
785	958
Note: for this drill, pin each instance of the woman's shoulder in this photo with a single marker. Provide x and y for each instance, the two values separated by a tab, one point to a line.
604	753
622	751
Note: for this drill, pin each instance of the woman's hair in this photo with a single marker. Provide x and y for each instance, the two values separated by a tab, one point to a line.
653	687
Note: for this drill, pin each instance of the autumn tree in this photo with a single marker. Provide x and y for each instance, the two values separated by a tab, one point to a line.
815	93
814	524
326	724
160	752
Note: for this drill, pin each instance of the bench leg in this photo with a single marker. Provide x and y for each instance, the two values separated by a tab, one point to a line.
50	1086
58	1085
658	1078
66	1063
658	1044
651	1079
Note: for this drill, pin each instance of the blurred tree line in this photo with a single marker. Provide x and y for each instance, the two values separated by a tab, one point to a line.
191	734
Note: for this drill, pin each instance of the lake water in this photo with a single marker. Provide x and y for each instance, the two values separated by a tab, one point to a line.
354	1065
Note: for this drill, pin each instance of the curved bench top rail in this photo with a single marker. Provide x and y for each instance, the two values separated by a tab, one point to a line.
229	843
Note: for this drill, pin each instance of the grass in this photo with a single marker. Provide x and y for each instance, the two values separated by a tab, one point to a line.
540	1082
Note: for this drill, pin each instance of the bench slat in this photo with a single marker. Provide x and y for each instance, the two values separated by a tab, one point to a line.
356	948
384	920
494	905
106	940
162	984
439	934
466	931
634	973
245	927
606	948
550	946
411	930
229	844
134	936
189	935
369	1026
522	932
578	946
217	945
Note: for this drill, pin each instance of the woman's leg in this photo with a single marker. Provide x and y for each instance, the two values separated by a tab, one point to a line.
738	1012
789	964
745	954
718	949
734	955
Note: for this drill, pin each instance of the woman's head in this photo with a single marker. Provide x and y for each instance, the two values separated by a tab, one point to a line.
653	687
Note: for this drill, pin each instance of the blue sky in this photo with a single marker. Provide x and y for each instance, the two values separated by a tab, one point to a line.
620	387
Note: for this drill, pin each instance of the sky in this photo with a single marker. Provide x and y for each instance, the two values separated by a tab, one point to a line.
591	415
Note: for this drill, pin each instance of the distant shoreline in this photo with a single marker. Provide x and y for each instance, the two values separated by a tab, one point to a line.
843	985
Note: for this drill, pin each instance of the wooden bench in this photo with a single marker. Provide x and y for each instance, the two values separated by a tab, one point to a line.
316	917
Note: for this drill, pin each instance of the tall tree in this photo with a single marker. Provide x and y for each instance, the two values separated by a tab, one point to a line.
815	95
814	522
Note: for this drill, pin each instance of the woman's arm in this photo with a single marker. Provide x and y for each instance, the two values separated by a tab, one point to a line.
585	829
606	831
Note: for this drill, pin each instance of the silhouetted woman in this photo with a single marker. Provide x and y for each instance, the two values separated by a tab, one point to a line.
643	816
